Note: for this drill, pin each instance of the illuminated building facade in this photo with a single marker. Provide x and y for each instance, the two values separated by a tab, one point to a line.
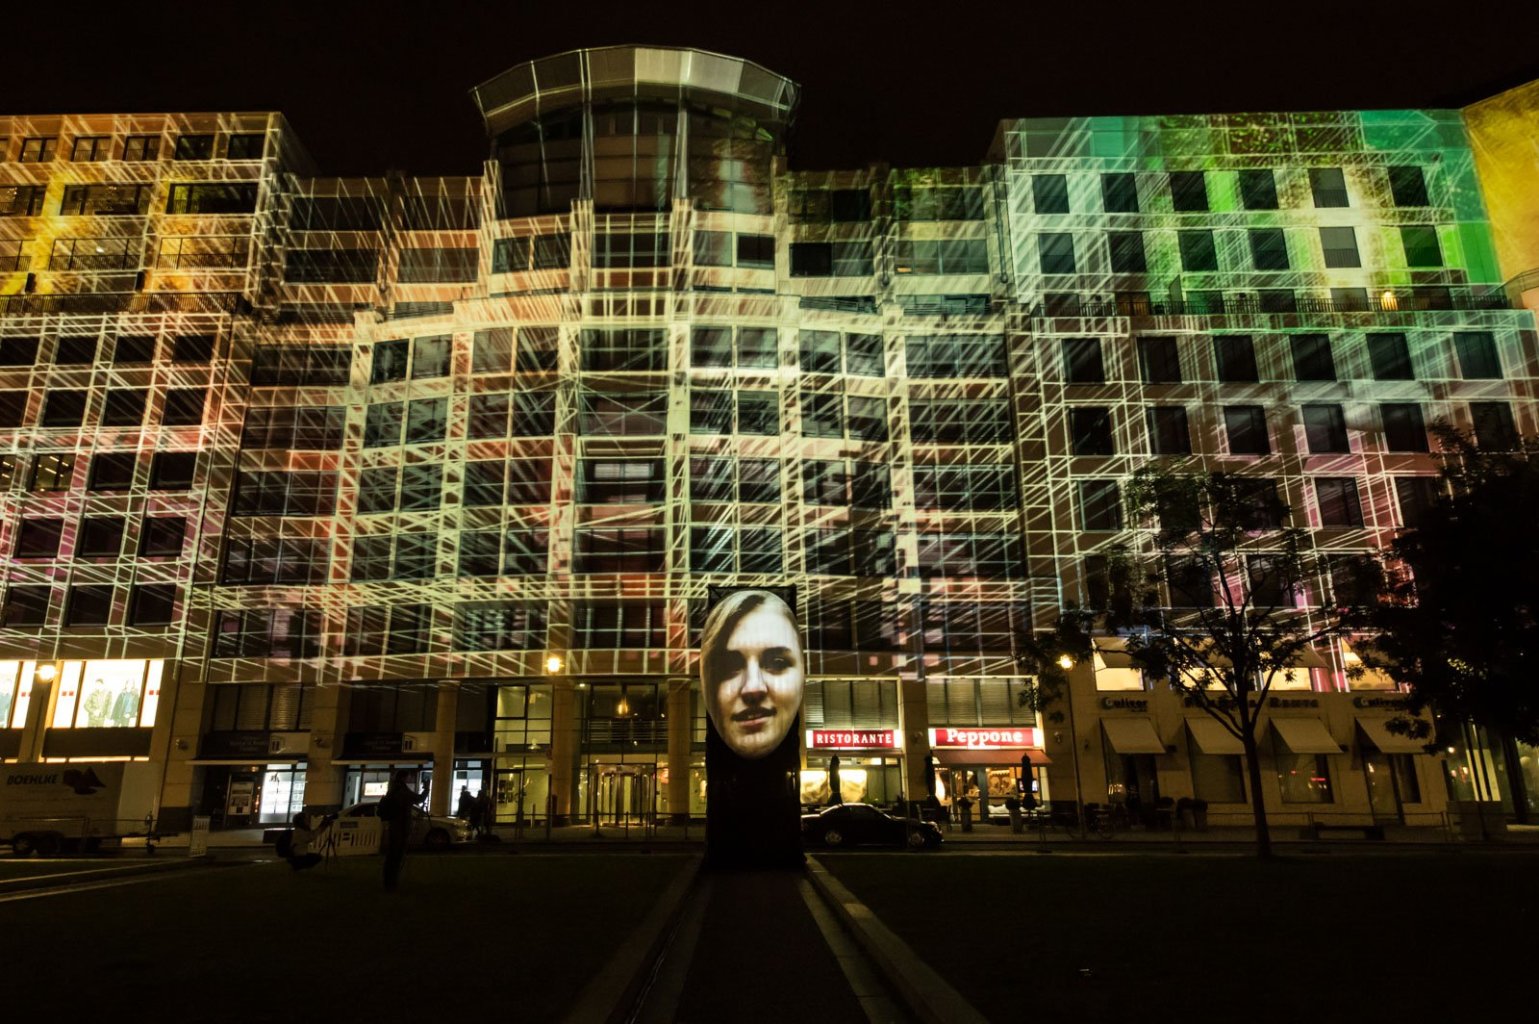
308	478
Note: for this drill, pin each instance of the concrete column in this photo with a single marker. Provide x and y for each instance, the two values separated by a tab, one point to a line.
914	720
178	726
328	724
39	710
563	748
680	726
443	794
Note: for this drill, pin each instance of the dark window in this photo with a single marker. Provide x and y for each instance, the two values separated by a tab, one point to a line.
1404	430
162	536
552	252
1197	250
1190	584
538	349
1246	427
613	250
1493	425
1338	501
965	488
331	266
1477	355
1188	191
88	606
968	556
268	560
1421	245
756	250
100	537
18	351
1325	429
492	351
758	412
1258	189
184	407
427	420
1127	252
1100	505
141	147
1050	192
822	414
1235	355
430	357
245	146
111	471
1119	193
194	147
382	424
151	604
820	349
812	259
172	471
1269	249
1082	361
1329	186
134	348
1340	247
488	415
1168	431
75	350
38	538
510	255
13	407
624	349
64	408
1091	430
1407	185
849	204
619	549
25	606
194	348
1159	360
225	197
1056	252
1312	357
1416	495
1276	300
124	408
620	481
295	365
1390	357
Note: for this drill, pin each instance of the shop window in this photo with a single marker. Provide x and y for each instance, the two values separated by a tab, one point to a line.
1328	185
88	605
1338	502
1245	426
100	537
162	536
172	471
124	407
1258	189
1218	778
152	604
1090	430
1119	193
184	407
1325	429
1168	430
1390	357
38	538
1127	252
1477	355
1407	185
108	695
1493	426
1404	429
1188	191
1303	778
52	471
1082	361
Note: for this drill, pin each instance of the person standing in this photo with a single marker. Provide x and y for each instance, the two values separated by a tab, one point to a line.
466	807
396	808
483	820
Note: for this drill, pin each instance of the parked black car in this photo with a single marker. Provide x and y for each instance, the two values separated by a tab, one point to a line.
855	824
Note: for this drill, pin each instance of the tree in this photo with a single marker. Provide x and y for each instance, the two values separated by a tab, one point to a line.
1461	625
1245	599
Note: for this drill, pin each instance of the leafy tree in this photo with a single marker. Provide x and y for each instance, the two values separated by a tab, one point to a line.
1461	626
1246	599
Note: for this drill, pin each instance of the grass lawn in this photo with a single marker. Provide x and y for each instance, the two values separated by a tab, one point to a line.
1221	939
511	937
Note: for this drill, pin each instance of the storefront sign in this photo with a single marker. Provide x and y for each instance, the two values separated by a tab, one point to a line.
1293	702
986	738
1395	703
851	739
366	744
1125	703
236	743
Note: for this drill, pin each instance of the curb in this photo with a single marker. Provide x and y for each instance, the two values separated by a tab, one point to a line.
60	879
610	996
926	993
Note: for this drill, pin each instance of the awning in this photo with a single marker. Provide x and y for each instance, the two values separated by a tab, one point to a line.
1112	652
1133	735
1306	735
999	756
1212	738
1377	731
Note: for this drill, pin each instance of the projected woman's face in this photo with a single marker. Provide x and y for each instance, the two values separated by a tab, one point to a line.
754	681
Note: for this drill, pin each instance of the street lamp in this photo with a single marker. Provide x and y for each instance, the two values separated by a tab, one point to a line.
46	672
554	664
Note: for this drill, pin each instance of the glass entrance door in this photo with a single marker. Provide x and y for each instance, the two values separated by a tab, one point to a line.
623	793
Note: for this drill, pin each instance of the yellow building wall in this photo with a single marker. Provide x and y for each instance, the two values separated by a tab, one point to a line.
1504	133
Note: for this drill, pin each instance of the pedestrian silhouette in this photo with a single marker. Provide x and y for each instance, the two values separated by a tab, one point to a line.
395	811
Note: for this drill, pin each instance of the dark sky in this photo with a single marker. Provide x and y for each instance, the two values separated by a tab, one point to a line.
377	85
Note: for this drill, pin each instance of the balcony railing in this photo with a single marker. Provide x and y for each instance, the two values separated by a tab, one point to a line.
1413	300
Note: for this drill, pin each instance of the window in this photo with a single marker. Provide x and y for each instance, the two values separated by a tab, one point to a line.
1407	186
1050	193
1404	430
1390	357
281	633
13	407
382	424
21	201
196	348
820	351
162	536
842	551
938	202
957	355
212	198
1082	361
38	149
1416	496
1091	430
992	556
1325	429
1119	193
184	407
822	415
1235	356
1340	247
271	560
94	254
601	626
245	146
52	471
1055	251
105	200
1159	360
624	349
438	265
299	365
1189	583
124	407
1421	245
986	487
758	412
1268	249
1329	186
152	604
111	471
617	251
100	537
1477	355
1337	500
1258	189
134	348
172	471
1197	250
1246	427
538	349
498	626
1218	778
279	493
302	428
1312	357
1127	252
141	148
1168	431
830	259
619	549
1493	426
88	606
63	408
1188	191
620	481
38	538
623	414
1100	505
1303	778
194	147
427	420
430	357
756	251
25	606
18	351
954	256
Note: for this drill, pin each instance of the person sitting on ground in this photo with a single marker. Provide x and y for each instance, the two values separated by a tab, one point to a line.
301	857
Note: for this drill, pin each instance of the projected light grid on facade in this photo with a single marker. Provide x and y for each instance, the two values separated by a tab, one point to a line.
455	460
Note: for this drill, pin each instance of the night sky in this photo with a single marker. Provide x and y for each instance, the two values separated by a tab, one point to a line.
384	85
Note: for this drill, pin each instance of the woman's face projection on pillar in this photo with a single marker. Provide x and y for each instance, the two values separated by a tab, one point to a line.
752	671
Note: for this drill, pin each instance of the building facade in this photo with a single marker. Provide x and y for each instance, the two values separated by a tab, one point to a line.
309	479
